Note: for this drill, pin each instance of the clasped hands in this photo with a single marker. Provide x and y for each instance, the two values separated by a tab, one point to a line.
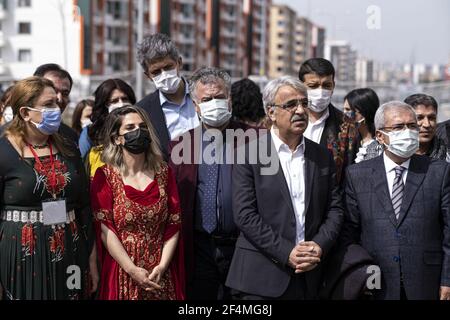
305	256
146	280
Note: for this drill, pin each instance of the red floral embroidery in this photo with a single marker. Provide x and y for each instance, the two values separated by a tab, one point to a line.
28	240
57	244
46	171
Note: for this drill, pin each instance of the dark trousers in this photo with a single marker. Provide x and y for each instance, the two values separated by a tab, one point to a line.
212	258
296	290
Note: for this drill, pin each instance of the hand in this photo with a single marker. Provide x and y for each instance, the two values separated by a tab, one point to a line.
311	247
93	271
157	274
444	293
140	276
303	260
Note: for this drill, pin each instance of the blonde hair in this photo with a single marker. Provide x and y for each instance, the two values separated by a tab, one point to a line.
113	154
25	93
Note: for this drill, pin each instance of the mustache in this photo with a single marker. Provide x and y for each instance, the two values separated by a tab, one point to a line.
297	117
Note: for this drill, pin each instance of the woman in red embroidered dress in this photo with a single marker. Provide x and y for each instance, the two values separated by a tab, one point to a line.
137	213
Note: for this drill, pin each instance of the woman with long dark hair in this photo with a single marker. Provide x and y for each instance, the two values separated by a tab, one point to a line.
361	105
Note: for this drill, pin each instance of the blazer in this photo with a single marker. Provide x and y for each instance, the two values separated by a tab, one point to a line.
264	213
152	105
417	245
347	273
186	177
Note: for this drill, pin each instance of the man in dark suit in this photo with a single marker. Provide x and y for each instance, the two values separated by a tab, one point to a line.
288	209
443	131
327	126
202	168
170	107
426	109
63	85
398	209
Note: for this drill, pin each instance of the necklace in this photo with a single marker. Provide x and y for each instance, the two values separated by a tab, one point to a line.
40	146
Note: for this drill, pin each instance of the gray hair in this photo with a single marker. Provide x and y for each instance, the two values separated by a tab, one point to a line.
155	47
271	89
209	75
380	114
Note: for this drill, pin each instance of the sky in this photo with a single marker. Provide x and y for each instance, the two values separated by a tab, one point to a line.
405	31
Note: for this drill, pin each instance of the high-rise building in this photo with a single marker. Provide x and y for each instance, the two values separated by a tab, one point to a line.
282	52
303	41
258	36
92	39
318	42
343	58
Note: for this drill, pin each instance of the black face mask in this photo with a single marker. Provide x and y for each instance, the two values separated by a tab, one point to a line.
137	141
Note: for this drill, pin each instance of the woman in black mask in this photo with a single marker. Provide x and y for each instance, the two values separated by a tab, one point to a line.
137	213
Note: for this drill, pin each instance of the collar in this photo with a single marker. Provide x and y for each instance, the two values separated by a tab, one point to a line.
391	165
322	119
163	99
279	144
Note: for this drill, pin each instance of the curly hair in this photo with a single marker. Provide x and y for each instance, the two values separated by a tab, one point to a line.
247	102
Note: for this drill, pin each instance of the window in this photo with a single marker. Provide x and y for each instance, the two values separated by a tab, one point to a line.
24	28
24	3
24	55
4	4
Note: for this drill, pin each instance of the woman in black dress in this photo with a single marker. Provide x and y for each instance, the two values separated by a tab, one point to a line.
45	220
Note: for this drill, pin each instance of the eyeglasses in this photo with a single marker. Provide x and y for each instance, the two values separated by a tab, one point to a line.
400	127
293	104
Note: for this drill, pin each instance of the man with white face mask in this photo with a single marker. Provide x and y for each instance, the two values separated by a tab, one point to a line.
398	209
326	123
170	107
204	184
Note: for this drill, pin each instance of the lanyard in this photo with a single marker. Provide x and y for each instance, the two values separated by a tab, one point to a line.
52	179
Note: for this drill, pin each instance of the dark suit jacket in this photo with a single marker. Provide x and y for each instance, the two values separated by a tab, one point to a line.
418	243
347	273
152	105
68	133
340	137
186	177
443	132
264	213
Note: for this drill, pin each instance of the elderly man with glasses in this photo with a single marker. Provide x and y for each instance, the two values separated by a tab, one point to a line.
398	209
289	218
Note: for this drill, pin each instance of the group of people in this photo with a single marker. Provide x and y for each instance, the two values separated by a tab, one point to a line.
206	189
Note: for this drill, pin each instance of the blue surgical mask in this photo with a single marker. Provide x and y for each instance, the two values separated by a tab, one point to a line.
350	114
51	120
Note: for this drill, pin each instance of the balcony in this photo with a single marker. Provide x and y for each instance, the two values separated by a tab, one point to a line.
182	38
227	16
185	18
228	33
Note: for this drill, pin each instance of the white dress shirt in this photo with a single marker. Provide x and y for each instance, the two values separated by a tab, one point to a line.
314	130
293	166
390	171
179	118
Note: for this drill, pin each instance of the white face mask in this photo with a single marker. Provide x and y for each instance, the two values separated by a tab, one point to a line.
117	105
85	123
320	99
403	143
167	81
8	114
215	112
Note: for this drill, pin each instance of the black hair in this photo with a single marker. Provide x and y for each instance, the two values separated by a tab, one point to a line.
320	66
246	99
42	70
100	111
366	101
421	99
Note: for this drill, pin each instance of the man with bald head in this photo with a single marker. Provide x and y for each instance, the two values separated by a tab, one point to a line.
398	209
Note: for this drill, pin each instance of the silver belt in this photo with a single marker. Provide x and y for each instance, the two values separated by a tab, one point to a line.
30	216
